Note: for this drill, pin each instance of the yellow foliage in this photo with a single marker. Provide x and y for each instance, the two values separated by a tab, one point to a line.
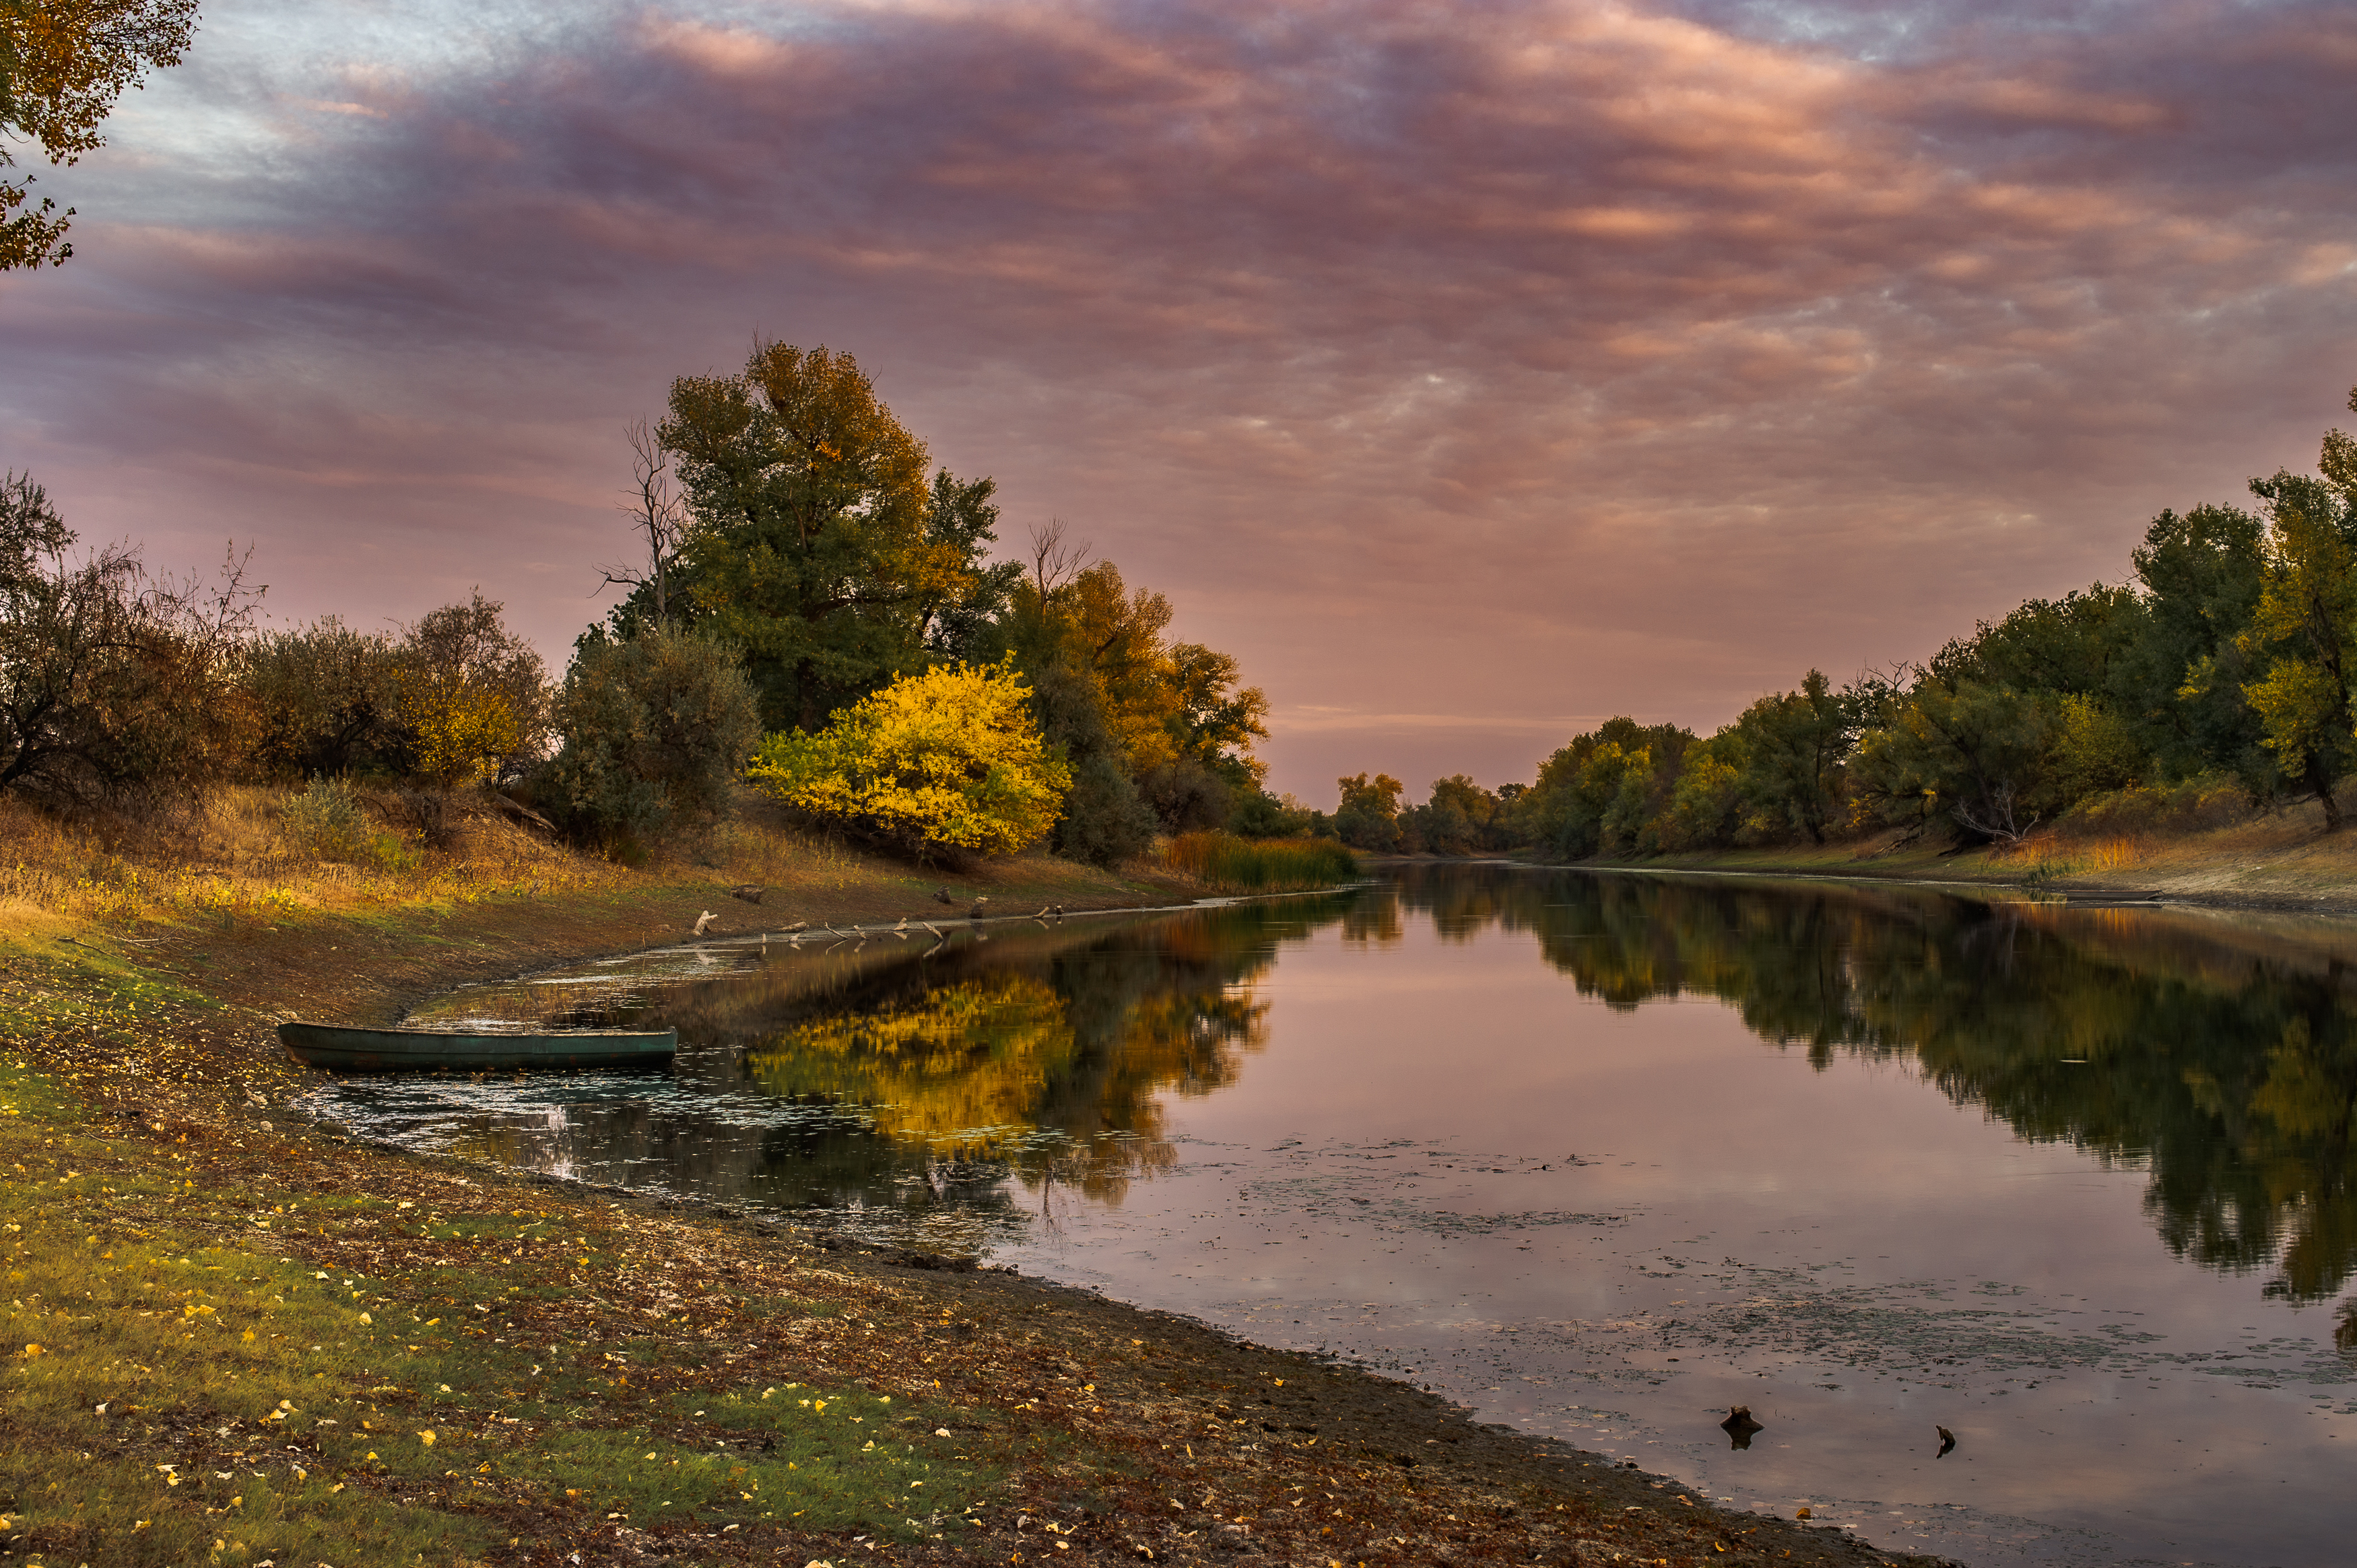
463	730
948	759
979	1069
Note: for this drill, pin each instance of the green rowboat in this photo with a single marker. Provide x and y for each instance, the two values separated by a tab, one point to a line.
396	1050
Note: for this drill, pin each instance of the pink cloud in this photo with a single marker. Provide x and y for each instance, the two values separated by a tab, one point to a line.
1507	365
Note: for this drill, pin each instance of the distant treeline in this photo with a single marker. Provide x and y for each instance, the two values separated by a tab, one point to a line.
2218	679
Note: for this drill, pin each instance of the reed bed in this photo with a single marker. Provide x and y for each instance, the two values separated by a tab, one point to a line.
2048	857
1233	864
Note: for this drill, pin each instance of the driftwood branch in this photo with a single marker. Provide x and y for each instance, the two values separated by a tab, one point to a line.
1999	822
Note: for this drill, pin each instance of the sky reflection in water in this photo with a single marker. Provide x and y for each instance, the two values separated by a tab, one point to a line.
2072	1184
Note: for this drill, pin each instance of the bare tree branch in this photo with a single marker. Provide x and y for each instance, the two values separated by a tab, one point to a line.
1999	822
657	512
1055	559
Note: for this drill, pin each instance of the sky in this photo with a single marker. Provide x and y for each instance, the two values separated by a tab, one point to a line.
1472	372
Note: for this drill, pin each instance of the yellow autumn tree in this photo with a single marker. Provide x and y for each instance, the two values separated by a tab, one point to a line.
945	763
461	730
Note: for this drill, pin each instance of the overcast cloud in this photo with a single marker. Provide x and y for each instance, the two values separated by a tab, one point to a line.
1473	373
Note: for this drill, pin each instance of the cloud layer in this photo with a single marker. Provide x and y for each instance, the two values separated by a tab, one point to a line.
1472	372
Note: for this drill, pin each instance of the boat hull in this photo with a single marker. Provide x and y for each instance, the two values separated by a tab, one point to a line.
422	1050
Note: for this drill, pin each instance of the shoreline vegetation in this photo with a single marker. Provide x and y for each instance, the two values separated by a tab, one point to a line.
2277	863
237	1335
2191	729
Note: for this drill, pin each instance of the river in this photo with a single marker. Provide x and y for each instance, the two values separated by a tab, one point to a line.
1601	1155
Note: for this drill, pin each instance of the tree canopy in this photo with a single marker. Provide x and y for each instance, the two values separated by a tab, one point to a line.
940	763
63	64
817	546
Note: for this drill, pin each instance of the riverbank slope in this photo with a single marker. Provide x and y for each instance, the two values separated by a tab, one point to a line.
236	1337
2283	861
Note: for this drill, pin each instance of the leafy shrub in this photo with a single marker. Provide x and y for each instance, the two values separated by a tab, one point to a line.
1261	815
655	725
472	696
1104	820
459	733
324	699
1186	795
941	763
112	680
1368	818
326	819
1236	864
2208	800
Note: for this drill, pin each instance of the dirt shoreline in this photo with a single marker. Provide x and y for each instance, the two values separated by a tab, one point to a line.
2281	863
1121	1397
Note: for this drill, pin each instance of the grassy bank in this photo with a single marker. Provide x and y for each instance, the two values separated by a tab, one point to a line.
2282	861
236	1337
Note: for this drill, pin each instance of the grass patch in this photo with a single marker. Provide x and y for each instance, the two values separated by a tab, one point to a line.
187	1384
1233	864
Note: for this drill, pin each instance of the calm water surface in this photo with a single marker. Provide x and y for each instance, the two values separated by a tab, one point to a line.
1599	1156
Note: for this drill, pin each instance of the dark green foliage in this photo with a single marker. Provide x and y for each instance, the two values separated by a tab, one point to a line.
2180	683
655	728
1980	756
1461	817
961	618
1261	815
1369	816
1187	796
1793	744
1104	820
817	550
2303	635
2067	646
1602	792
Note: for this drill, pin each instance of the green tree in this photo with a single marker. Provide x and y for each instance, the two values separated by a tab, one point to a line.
2006	728
654	729
472	696
1460	818
939	765
960	616
2302	639
1261	815
816	547
1368	817
1974	754
63	63
1794	746
1603	791
1706	808
2181	682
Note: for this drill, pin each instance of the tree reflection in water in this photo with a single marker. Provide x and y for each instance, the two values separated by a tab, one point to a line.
2229	1074
886	1076
915	1081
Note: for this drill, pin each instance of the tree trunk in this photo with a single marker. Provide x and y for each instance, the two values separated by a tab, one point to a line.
2321	782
